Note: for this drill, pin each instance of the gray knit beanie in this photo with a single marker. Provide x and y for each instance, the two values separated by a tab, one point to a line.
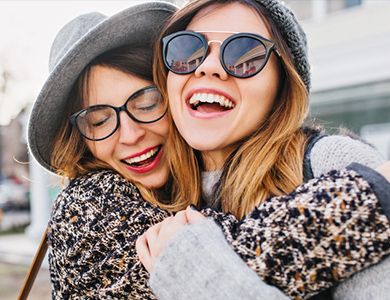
293	34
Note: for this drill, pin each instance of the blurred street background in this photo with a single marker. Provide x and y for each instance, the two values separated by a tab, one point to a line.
349	46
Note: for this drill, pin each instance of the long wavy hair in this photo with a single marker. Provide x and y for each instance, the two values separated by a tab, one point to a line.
71	157
267	163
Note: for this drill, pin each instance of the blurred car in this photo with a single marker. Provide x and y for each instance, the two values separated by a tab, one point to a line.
13	195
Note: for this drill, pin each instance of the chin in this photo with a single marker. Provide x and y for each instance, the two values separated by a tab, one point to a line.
153	185
205	143
155	182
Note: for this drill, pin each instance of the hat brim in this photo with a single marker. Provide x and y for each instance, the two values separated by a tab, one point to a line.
135	25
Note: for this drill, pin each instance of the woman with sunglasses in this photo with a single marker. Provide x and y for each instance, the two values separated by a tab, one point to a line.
100	122
238	93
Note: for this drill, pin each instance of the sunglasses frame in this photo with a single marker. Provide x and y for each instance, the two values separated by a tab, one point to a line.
118	109
269	47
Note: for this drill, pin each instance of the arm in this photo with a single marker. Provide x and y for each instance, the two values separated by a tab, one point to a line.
198	264
307	241
93	228
250	234
336	152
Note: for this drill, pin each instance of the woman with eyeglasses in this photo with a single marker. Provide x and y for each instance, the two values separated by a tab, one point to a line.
237	79
100	122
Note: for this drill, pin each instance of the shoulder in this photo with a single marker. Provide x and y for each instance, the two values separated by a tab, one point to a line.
97	184
104	180
93	194
338	151
101	201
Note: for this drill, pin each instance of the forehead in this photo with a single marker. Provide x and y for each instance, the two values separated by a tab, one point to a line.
234	17
107	85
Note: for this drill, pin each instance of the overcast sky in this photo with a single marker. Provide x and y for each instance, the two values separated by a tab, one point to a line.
27	29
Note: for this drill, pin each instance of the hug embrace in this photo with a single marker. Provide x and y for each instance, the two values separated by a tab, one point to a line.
193	171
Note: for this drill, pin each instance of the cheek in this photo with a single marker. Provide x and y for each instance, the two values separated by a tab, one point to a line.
161	127
171	86
262	89
102	150
175	86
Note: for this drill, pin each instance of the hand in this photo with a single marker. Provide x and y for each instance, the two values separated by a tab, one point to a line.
193	216
384	169
150	245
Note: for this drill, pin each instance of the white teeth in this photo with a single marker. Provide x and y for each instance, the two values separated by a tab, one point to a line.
210	98
142	157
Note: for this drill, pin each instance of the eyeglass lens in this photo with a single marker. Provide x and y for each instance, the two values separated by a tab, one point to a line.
100	121
242	56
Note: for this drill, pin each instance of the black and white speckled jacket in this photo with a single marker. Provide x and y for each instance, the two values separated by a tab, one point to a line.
295	242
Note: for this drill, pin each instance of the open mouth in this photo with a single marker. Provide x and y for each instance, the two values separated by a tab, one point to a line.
144	159
209	103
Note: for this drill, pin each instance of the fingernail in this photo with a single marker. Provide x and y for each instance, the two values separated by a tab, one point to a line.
193	207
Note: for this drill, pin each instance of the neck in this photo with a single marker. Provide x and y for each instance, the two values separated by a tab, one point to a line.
215	159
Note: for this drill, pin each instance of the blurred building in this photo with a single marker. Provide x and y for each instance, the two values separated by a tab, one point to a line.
16	163
13	154
349	46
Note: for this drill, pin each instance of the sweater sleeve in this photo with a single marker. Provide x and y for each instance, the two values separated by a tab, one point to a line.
92	232
336	152
305	242
294	242
198	264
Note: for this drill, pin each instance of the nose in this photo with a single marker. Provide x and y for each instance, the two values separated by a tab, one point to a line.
211	66
130	132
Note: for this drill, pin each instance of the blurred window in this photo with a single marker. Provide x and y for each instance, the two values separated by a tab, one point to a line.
350	3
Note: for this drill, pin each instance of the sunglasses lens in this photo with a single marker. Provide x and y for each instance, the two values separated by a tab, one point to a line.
244	56
184	53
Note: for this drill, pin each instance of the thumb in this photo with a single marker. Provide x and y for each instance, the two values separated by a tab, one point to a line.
194	216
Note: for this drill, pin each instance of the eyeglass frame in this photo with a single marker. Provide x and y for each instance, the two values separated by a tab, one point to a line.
269	48
117	109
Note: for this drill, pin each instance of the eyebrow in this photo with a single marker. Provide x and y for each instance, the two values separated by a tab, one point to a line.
216	31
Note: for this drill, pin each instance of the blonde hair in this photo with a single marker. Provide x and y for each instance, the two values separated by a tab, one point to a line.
70	156
267	163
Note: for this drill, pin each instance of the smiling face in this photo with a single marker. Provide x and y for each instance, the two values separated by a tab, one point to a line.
135	150
211	109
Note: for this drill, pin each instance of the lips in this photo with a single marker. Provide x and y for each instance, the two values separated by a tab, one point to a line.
220	102
144	161
209	103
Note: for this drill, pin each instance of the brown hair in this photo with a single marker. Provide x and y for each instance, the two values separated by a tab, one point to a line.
267	163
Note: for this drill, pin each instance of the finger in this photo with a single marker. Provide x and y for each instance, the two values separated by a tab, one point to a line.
143	252
193	216
181	217
151	236
170	228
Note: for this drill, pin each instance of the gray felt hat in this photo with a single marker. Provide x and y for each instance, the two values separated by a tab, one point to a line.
293	34
75	46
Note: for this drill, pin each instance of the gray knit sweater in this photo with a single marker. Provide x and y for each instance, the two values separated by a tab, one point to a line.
199	264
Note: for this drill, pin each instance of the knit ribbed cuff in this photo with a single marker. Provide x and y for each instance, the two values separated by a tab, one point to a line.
378	183
199	264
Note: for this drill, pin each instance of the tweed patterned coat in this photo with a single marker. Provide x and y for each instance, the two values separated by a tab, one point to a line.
303	242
